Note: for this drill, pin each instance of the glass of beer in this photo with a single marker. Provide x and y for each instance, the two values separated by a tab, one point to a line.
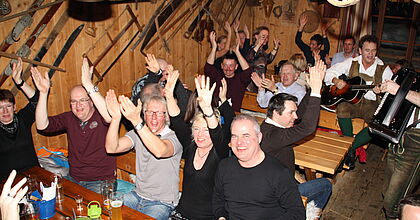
107	187
116	205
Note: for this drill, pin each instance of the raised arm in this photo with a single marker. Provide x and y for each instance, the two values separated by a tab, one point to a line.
298	38
158	147
212	55
43	84
173	108
273	53
93	92
244	64
17	78
10	197
228	29
204	97
114	143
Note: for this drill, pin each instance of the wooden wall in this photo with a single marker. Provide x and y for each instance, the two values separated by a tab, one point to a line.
186	55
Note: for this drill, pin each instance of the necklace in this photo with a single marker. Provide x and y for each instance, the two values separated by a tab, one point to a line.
202	156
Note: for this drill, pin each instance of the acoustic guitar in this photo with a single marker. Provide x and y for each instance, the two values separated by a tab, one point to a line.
352	93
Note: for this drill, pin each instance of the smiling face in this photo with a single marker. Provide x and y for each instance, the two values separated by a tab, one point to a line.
80	103
222	43
288	117
313	44
245	142
229	66
368	52
155	116
7	110
201	134
288	75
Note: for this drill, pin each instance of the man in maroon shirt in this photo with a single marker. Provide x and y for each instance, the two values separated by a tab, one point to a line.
237	82
86	130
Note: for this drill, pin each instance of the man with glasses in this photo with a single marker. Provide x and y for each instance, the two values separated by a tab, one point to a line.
86	128
158	153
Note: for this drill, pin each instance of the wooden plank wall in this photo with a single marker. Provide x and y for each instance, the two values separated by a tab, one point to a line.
186	55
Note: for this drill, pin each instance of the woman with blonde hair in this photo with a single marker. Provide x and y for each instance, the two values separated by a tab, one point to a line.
299	61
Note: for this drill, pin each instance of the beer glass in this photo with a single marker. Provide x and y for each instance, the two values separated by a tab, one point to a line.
107	187
116	205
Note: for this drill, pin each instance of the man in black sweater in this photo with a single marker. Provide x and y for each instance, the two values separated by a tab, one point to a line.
254	185
280	132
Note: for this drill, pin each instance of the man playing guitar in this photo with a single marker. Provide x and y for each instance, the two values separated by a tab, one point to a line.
402	173
373	71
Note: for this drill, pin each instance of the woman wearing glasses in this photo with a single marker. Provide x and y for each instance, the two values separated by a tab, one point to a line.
17	149
209	144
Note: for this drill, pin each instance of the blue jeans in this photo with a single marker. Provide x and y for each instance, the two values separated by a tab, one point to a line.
402	171
156	209
91	185
318	190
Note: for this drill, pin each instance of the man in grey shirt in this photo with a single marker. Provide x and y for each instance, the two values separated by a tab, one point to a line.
158	153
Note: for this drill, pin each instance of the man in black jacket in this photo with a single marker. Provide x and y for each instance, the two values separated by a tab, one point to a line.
280	132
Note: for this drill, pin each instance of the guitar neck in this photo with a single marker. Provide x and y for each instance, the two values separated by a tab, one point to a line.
361	87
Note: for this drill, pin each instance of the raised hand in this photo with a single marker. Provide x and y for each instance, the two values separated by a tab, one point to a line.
316	76
227	27
325	27
213	39
236	26
17	71
204	93
316	55
303	20
223	91
112	105
171	81
129	110
269	84
10	197
276	44
256	79
41	82
86	72
246	31
152	63
237	46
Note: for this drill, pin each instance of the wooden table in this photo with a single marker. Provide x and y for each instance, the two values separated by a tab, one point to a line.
65	208
322	152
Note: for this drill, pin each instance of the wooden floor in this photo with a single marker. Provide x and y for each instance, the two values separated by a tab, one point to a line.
357	194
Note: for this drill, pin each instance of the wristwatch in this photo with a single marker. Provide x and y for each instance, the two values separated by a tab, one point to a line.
139	126
93	90
20	84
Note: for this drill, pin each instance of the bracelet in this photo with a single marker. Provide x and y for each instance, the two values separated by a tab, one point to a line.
20	84
208	116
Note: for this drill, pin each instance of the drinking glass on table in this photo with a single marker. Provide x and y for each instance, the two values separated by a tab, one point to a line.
116	205
107	188
60	193
79	203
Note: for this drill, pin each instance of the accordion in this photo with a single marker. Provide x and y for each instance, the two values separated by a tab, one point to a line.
394	111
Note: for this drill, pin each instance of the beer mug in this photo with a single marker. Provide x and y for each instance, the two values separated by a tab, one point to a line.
116	202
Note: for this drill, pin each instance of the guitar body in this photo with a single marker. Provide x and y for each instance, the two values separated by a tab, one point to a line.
331	96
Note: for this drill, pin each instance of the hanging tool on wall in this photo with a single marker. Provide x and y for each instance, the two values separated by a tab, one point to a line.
113	41
25	49
91	29
31	10
45	47
26	60
5	8
117	58
268	7
66	48
184	16
196	21
24	22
